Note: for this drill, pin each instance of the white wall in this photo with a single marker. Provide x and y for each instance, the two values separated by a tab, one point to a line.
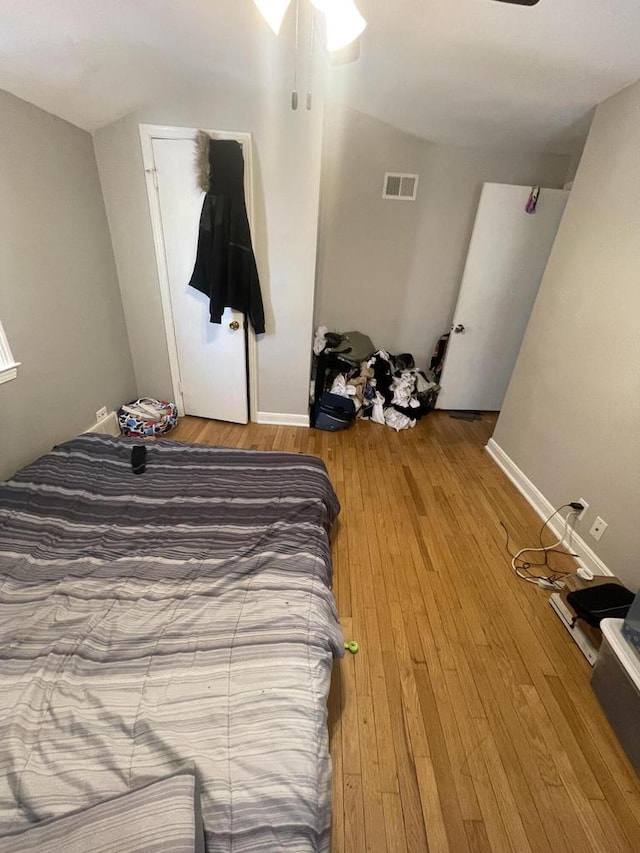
287	151
571	417
59	299
393	269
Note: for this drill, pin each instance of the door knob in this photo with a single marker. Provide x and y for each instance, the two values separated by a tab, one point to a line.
234	325
459	329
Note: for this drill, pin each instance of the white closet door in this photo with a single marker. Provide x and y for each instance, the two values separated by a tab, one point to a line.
212	358
507	257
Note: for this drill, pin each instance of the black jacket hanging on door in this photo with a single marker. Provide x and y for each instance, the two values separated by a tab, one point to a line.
225	268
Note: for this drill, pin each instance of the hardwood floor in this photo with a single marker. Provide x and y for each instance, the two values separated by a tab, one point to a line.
466	721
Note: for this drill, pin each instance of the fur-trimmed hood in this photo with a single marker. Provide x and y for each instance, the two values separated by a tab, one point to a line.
202	141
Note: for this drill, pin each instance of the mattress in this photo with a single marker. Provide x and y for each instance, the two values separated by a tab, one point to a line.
181	619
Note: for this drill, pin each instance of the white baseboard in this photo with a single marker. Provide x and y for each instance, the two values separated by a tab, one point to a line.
576	544
108	425
276	418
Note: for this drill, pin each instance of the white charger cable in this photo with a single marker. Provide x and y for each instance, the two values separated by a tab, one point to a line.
544	582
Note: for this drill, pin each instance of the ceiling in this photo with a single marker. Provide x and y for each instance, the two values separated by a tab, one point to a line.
470	72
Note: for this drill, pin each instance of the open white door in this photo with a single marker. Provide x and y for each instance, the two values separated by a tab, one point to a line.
208	360
507	257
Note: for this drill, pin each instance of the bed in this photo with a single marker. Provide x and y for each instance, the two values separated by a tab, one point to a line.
179	620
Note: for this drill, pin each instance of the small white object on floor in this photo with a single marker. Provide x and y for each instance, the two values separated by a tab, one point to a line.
585	574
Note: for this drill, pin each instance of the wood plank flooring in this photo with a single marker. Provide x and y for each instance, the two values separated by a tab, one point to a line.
466	722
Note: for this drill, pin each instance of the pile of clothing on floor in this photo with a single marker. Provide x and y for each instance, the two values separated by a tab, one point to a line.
387	389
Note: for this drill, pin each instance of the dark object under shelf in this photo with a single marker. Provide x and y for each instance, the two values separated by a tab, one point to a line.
605	601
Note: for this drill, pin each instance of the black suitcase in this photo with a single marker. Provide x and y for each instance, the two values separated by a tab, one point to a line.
333	412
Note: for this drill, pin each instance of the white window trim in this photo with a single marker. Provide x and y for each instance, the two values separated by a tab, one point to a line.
8	365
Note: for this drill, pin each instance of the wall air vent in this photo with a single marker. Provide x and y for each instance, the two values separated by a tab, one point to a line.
400	186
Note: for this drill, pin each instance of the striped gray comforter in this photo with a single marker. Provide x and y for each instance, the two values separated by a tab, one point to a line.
163	817
181	618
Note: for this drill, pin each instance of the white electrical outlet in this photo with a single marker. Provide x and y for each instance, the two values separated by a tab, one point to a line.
598	528
101	413
585	505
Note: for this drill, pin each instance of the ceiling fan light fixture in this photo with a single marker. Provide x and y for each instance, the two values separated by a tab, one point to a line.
273	11
344	22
